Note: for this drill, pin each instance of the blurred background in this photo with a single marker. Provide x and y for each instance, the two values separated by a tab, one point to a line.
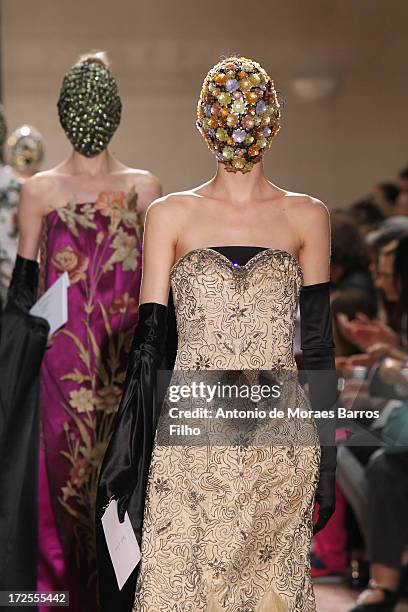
341	67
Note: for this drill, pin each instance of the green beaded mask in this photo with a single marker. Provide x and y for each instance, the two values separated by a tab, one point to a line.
3	126
89	107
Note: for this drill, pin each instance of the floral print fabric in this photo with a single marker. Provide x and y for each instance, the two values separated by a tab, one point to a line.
99	246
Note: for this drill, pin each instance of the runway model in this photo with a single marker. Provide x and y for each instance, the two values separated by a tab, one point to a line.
227	525
91	208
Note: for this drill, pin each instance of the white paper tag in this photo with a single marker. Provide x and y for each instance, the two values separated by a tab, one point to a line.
53	305
121	541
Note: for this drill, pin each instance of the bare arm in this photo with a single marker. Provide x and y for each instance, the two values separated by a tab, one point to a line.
148	193
30	219
314	255
158	252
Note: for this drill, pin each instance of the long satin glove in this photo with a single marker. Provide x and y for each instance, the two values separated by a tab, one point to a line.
319	362
32	332
24	282
126	463
125	467
23	340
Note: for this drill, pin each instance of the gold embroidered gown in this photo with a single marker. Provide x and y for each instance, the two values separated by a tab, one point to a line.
228	527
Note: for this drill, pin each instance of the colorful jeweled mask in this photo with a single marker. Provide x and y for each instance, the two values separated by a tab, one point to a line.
238	112
89	107
25	149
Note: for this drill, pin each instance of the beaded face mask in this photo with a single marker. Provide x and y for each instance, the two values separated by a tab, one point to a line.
238	112
89	107
25	149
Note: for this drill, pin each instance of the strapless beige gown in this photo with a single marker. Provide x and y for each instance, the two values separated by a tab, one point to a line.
228	528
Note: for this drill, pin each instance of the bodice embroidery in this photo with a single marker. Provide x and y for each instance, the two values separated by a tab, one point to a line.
236	316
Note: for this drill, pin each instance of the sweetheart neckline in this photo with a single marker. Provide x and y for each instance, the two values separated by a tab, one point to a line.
272	251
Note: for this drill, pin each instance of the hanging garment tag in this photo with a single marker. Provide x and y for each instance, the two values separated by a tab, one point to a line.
121	541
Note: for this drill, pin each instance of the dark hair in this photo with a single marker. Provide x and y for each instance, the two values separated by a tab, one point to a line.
385	237
347	244
350	302
401	281
366	212
403	174
390	191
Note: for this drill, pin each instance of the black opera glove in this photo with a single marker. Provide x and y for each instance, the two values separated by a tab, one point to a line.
22	350
22	291
125	467
319	363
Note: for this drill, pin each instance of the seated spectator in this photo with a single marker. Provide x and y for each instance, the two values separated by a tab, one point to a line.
384	196
328	557
367	215
349	303
381	497
403	179
387	507
349	260
386	335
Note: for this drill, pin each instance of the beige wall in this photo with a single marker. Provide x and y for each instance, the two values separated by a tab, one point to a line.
160	50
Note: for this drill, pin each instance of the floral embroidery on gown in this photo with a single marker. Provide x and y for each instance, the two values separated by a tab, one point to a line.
227	528
99	245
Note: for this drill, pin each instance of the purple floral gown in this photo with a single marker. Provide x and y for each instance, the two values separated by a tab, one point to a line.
99	245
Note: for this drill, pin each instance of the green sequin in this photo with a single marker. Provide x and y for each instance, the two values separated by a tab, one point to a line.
89	107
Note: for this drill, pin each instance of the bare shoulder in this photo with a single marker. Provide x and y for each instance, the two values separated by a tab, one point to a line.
170	212
307	204
177	204
40	191
307	210
142	179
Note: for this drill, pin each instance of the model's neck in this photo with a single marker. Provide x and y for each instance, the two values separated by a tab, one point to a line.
239	187
92	166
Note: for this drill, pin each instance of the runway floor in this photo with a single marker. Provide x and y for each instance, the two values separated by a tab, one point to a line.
339	598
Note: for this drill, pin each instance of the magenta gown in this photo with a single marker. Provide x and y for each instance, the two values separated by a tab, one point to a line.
99	245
